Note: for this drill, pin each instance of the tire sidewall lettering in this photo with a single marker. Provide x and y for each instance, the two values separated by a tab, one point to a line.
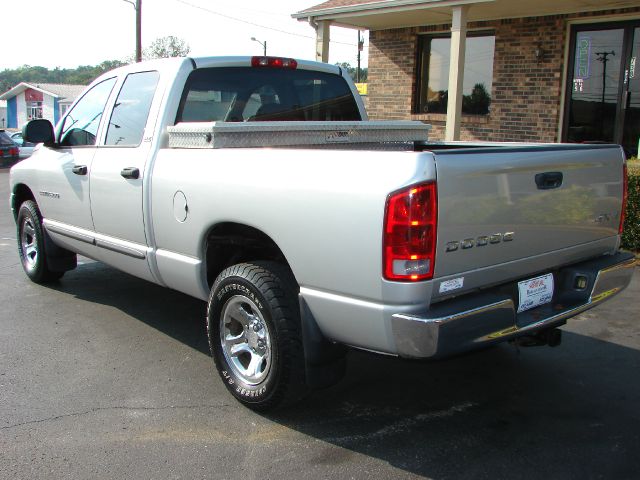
239	289
234	384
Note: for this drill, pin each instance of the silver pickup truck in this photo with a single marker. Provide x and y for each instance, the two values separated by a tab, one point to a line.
258	185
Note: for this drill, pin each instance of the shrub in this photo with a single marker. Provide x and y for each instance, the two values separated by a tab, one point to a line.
631	235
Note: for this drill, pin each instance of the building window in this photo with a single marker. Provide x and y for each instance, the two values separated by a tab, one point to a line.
34	110
433	73
63	108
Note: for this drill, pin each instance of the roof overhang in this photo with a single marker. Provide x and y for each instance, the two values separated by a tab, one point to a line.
21	87
388	14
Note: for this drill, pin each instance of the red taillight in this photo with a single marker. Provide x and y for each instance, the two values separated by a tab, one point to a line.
14	152
274	62
625	188
409	245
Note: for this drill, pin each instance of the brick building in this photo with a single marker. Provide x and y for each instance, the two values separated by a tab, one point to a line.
499	70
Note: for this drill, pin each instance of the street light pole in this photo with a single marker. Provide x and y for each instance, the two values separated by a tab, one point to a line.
138	8
264	45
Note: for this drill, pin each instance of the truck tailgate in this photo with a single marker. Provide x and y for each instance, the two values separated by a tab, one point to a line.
509	204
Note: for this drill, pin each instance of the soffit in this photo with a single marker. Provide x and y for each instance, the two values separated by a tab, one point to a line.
384	15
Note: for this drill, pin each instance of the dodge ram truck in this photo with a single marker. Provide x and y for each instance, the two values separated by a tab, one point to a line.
259	185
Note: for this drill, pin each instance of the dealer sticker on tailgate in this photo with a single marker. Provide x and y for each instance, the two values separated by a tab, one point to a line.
534	292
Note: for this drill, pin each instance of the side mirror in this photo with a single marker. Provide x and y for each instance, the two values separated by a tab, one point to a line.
38	131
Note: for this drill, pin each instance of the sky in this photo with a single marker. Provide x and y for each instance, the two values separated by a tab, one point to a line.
69	33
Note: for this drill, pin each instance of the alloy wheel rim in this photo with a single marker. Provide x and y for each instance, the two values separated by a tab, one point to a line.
29	244
245	340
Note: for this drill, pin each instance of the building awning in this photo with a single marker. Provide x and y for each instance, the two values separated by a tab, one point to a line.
387	14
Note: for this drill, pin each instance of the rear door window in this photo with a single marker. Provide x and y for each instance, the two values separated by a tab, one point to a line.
131	110
240	94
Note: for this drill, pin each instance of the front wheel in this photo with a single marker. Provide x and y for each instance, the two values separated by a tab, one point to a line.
31	244
253	325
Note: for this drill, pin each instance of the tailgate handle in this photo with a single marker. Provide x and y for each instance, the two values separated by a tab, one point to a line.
548	180
130	172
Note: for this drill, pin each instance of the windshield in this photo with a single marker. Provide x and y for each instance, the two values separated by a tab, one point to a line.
240	94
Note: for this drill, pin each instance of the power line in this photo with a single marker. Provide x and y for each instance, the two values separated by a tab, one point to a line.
229	17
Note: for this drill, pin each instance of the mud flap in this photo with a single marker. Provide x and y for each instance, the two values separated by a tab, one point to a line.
325	362
58	258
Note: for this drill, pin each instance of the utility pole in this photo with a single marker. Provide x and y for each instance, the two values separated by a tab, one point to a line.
360	47
138	30
138	8
603	57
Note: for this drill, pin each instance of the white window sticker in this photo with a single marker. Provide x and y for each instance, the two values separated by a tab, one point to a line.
453	284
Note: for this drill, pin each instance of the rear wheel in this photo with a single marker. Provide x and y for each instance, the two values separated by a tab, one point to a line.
253	324
31	244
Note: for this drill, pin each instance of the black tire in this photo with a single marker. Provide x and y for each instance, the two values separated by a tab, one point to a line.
31	246
256	306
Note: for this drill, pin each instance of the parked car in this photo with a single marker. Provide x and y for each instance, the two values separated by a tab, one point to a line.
9	152
26	148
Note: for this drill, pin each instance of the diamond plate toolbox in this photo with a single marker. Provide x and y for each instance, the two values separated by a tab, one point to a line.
295	134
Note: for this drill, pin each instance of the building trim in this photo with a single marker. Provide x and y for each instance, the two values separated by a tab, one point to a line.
56	110
22	87
382	7
12	112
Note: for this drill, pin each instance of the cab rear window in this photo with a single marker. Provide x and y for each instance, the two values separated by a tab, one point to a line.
241	94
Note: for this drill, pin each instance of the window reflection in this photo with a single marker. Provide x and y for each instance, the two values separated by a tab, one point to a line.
80	126
131	109
433	81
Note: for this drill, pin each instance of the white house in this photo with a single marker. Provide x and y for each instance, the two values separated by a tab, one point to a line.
27	101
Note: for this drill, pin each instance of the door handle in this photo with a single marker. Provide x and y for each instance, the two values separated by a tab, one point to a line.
130	172
79	169
548	180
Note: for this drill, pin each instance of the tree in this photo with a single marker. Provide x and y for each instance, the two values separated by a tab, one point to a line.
352	71
83	75
477	103
166	47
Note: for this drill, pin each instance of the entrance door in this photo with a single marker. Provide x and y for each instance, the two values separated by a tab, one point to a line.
603	98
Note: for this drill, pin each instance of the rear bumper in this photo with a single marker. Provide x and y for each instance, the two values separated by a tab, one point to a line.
8	161
480	319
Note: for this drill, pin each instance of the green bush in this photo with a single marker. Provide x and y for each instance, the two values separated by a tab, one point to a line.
631	235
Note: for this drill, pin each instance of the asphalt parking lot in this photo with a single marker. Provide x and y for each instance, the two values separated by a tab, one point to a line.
104	376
